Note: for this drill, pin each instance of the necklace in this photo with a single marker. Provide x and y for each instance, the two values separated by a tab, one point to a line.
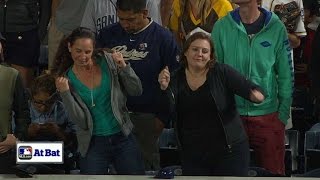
92	83
92	89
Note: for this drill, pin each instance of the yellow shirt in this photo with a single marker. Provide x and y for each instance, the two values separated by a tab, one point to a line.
219	8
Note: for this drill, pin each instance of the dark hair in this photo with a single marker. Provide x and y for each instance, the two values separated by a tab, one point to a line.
312	5
131	5
195	36
43	83
63	59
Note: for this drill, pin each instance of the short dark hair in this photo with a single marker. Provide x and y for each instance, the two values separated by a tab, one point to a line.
131	5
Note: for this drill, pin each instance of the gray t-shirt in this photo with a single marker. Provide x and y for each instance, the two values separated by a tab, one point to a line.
102	13
69	15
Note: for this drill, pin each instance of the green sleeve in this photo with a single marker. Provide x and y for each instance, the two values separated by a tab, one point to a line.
284	71
216	39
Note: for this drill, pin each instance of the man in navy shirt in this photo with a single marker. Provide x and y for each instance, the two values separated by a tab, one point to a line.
149	48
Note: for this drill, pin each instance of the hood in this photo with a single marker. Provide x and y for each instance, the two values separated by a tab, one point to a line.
269	17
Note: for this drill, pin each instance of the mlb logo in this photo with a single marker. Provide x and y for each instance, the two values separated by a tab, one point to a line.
25	152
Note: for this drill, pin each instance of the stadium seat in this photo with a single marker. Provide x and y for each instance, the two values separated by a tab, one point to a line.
168	148
312	150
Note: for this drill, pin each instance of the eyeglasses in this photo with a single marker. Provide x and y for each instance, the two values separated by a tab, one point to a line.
47	102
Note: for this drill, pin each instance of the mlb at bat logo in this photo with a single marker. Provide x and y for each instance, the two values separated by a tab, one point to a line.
25	152
39	152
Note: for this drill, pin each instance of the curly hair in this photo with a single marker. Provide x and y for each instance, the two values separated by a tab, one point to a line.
63	60
196	36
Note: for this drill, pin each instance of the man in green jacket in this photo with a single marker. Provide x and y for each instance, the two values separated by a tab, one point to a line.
255	42
12	99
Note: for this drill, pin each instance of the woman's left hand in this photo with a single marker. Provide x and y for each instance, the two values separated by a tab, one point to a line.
118	59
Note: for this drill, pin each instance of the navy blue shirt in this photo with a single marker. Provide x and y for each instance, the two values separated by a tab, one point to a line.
148	52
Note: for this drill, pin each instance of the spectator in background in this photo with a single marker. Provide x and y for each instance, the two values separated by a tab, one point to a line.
49	119
102	13
201	93
93	87
165	11
291	14
66	15
149	48
189	14
255	42
12	99
302	56
315	72
315	76
49	122
24	24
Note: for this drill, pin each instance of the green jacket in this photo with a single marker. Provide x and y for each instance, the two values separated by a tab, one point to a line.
12	99
265	59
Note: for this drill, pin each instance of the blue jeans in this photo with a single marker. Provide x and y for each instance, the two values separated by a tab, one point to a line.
120	151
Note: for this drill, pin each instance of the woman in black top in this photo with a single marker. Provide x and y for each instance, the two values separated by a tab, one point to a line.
201	94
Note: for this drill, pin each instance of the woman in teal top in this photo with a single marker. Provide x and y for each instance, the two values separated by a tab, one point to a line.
93	86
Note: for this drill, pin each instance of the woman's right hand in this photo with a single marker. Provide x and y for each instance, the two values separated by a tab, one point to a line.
164	78
62	84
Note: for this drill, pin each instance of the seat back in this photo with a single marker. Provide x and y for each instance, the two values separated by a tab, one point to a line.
312	150
292	146
168	148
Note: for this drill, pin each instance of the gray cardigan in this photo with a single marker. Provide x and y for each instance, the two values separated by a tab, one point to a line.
123	82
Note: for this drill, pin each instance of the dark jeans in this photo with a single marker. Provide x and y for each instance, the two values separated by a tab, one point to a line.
120	151
205	163
7	161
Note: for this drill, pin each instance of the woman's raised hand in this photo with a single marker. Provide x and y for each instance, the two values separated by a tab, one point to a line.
118	59
164	78
62	84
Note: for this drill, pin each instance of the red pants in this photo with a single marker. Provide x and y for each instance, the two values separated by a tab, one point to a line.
266	137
